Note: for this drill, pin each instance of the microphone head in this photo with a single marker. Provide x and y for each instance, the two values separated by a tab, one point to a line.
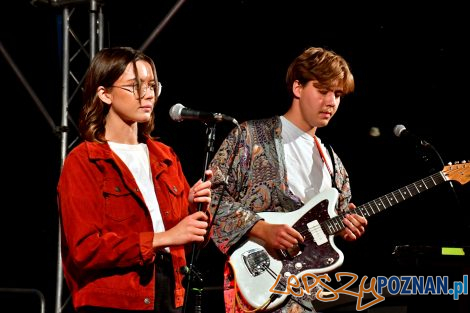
398	130
175	112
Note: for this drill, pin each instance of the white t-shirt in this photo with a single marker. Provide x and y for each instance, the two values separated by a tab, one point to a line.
307	174
136	157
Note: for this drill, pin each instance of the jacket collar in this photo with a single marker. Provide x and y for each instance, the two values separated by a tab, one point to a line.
158	153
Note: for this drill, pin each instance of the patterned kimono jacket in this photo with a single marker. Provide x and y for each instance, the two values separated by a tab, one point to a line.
250	177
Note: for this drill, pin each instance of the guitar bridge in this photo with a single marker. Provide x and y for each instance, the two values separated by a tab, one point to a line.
256	261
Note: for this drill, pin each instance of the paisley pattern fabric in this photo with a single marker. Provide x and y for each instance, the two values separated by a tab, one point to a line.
249	177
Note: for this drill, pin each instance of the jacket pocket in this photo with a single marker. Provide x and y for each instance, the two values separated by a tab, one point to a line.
119	201
177	204
175	188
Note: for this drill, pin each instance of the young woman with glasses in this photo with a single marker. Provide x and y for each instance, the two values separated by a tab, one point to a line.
127	211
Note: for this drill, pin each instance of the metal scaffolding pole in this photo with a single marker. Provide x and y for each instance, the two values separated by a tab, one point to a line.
70	76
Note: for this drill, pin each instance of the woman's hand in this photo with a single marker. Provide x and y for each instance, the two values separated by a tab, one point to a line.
201	192
192	228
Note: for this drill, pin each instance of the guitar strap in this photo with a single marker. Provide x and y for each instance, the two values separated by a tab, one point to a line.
330	151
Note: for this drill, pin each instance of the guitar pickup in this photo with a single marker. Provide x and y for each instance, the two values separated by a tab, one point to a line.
256	261
317	233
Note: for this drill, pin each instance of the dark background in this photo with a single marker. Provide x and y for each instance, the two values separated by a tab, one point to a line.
411	67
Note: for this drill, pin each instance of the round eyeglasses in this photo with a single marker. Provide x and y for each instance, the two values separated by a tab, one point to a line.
143	89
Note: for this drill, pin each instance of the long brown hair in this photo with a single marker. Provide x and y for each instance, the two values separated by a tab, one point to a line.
105	69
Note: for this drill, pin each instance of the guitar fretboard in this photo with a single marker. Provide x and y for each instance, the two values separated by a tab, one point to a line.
335	224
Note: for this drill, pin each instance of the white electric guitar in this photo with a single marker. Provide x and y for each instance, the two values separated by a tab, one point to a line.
256	269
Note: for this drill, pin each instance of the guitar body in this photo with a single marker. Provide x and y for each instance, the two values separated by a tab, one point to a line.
256	269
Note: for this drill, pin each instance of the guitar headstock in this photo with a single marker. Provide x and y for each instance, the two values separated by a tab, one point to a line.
459	171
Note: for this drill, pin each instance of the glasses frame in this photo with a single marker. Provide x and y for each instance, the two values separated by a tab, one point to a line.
145	87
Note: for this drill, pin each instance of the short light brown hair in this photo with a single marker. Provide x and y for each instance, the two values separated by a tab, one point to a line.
323	66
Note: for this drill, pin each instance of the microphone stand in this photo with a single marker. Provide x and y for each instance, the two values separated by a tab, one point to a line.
192	275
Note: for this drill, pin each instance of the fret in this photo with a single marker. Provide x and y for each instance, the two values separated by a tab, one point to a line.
385	204
442	177
372	209
338	224
419	187
392	199
334	224
377	205
422	187
389	203
416	190
382	203
401	194
397	193
408	193
362	209
424	183
330	227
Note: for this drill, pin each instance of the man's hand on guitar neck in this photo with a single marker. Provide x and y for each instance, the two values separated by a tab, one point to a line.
277	236
355	226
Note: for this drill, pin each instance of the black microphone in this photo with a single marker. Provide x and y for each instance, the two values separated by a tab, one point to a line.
401	132
179	112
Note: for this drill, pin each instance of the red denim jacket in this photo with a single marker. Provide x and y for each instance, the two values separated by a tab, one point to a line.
107	254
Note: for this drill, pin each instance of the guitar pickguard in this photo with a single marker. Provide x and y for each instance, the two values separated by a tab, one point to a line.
310	255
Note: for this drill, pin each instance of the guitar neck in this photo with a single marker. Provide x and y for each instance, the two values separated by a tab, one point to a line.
335	224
